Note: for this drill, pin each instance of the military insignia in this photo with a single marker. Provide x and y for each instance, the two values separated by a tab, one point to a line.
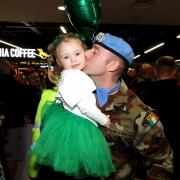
152	119
100	37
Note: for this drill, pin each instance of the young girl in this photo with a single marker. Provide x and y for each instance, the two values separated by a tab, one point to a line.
70	141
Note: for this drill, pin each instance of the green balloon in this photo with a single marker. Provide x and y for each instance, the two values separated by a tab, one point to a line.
84	15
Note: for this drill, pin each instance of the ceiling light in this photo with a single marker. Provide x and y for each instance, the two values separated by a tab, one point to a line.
178	36
23	62
61	8
63	29
153	48
44	65
137	56
9	44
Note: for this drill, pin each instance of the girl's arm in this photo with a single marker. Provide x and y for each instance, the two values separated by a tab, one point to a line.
93	112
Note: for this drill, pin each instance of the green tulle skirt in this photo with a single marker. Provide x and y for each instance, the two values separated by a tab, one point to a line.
71	144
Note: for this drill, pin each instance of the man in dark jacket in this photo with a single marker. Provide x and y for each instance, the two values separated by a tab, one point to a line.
164	96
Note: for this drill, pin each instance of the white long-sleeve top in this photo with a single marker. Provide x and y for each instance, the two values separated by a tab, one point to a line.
75	91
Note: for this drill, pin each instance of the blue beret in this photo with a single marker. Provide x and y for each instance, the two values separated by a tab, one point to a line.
116	45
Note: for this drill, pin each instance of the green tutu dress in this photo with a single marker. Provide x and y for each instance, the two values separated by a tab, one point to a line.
71	144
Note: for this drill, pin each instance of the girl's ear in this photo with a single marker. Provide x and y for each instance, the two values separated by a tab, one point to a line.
113	65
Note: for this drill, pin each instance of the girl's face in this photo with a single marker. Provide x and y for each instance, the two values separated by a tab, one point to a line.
71	54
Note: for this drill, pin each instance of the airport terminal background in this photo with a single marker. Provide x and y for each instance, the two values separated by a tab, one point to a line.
25	35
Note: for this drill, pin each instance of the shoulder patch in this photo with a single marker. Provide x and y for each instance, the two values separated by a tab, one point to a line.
152	119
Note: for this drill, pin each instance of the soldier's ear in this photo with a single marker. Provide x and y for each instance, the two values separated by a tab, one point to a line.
113	65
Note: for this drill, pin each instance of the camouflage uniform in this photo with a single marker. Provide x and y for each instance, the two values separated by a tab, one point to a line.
136	129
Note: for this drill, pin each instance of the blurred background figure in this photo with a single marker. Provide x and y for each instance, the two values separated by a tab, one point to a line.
33	90
48	95
164	96
178	76
131	79
139	78
145	76
12	107
33	94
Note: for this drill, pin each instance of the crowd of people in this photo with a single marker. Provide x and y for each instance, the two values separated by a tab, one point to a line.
99	119
18	103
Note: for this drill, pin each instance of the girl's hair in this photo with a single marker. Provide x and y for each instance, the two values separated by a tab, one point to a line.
53	68
62	37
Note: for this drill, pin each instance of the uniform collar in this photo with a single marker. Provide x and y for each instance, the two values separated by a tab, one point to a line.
103	93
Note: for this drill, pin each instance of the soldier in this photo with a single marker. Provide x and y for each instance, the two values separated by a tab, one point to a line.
135	128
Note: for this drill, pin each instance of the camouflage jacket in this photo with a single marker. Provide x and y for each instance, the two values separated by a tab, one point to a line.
135	129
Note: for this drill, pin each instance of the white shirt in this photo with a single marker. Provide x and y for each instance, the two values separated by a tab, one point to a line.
75	91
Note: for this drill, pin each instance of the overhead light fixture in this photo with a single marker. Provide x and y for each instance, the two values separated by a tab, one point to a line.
63	29
9	44
44	65
177	60
178	36
22	68
23	62
137	56
153	48
143	4
61	8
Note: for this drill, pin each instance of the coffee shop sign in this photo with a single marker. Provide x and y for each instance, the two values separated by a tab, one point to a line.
17	53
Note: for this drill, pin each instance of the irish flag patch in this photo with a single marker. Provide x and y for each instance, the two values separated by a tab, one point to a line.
152	119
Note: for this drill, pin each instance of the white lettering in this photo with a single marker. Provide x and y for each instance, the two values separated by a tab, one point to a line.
4	52
17	53
31	53
12	53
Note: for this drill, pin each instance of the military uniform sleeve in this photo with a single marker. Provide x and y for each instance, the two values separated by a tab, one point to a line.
152	144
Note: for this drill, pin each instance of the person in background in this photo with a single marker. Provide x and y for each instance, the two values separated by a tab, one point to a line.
144	77
33	92
164	96
70	141
12	106
48	95
130	78
178	76
135	127
4	171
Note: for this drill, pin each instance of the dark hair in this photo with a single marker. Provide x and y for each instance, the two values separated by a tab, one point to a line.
165	64
165	61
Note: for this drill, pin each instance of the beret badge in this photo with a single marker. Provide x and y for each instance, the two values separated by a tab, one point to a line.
100	37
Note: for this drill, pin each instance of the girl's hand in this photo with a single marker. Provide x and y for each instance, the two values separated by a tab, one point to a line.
108	122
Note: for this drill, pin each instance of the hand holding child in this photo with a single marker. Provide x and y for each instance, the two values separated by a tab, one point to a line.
108	122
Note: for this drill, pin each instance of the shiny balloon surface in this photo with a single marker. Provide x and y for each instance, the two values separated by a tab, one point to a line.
84	15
